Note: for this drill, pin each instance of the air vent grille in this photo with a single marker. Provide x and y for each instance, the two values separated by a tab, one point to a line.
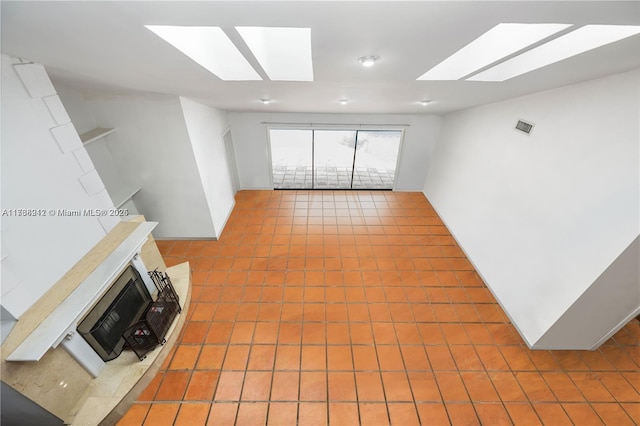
525	127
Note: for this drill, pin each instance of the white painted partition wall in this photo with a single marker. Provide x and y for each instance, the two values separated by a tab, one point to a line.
206	127
543	216
44	167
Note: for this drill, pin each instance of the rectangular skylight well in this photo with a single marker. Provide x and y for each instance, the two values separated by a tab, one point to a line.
209	47
581	40
500	41
283	53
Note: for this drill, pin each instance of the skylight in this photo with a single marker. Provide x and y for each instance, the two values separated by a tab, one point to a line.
497	43
209	47
283	53
581	40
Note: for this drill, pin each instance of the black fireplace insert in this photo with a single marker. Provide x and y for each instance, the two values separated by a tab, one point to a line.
123	304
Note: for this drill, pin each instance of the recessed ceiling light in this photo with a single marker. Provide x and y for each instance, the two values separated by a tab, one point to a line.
500	41
343	101
283	53
368	61
266	101
211	48
425	102
581	40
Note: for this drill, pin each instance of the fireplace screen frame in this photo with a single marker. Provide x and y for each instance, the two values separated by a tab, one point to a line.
105	322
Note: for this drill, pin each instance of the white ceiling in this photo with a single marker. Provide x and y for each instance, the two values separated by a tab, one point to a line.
105	45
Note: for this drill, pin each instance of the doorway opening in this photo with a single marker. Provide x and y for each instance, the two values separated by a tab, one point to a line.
334	159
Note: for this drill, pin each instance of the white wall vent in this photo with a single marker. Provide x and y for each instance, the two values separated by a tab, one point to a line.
525	127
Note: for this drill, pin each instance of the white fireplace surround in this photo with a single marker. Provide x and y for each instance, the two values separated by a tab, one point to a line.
60	326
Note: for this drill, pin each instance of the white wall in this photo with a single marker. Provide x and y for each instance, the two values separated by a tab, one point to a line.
106	166
206	127
542	216
98	150
252	146
42	171
73	99
152	150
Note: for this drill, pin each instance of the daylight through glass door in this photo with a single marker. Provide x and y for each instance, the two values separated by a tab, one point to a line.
334	159
292	159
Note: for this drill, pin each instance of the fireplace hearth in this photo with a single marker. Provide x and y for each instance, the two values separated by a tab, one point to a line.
46	359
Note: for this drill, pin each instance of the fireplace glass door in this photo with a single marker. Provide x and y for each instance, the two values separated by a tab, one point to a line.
122	305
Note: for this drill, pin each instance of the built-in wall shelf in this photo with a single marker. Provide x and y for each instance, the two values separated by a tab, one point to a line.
95	135
53	329
121	197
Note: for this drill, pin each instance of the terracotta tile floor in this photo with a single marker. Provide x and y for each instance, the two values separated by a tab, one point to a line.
359	308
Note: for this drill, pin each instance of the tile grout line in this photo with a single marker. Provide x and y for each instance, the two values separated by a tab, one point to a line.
494	326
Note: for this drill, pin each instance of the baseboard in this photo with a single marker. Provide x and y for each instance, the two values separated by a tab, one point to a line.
185	238
616	328
226	219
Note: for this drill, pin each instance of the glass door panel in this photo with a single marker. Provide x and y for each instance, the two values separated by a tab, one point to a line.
333	158
292	158
376	159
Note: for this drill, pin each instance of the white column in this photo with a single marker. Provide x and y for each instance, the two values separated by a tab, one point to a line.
139	265
84	354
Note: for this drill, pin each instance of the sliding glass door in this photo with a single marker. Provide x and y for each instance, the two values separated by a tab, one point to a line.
292	159
375	159
334	159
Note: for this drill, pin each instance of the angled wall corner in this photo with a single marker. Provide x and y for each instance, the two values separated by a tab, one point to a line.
606	306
